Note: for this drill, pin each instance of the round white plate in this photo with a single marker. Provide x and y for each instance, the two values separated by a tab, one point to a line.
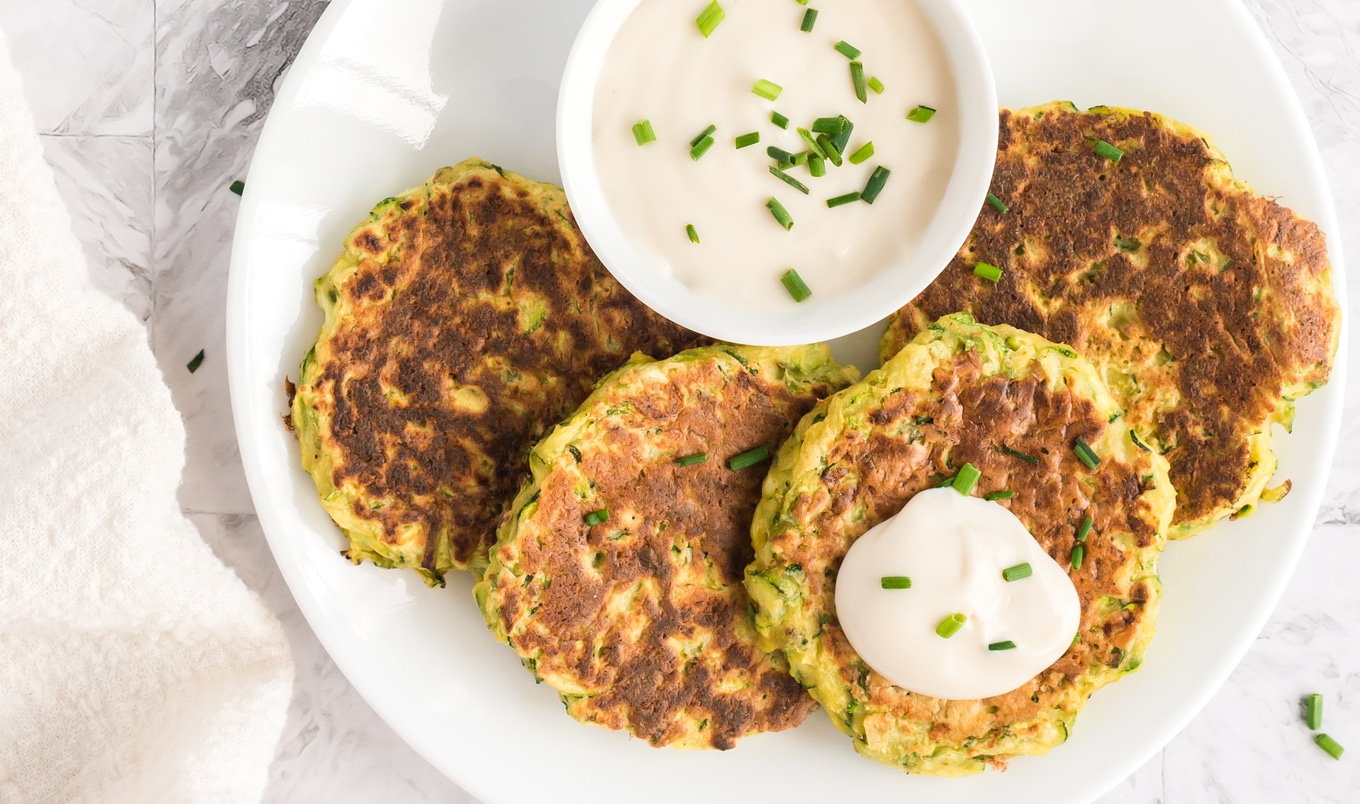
386	91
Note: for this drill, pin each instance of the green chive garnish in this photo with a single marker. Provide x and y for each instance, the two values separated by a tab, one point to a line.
780	214
801	158
1314	718
795	285
748	458
642	132
789	180
876	85
950	625
895	582
1078	553
597	517
700	148
966	479
874	185
690	460
987	271
1108	151
783	157
692	232
748	139
237	187
998	203
1087	455
708	131
1030	459
1004	645
1329	745
768	90
842	200
829	125
848	50
779	120
816	166
999	495
843	138
1017	573
710	18
1084	530
195	362
1137	443
829	148
862	153
809	20
811	142
857	81
921	114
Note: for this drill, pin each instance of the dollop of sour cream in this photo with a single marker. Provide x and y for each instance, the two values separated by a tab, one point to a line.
954	548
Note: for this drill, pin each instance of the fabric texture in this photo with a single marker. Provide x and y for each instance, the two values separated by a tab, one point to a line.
135	665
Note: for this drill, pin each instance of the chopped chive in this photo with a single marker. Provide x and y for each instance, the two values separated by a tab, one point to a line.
1078	553
874	185
948	482
1084	530
1017	573
848	50
780	214
783	157
748	139
710	18
1332	747
597	517
789	180
801	2
811	142
842	200
575	453
195	362
690	460
237	187
895	582
966	479
921	114
795	285
809	20
748	458
998	203
1137	443
1314	718
816	166
862	153
768	90
950	625
800	158
779	120
692	232
876	85
987	271
1087	455
1108	151
642	132
700	148
829	125
829	148
999	495
711	128
857	81
1030	459
1003	645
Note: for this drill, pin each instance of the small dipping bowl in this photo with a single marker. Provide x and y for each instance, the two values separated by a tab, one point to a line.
817	318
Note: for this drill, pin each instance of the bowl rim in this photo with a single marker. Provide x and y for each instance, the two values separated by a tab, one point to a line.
892	288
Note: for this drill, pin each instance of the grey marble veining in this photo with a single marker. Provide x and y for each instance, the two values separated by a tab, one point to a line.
150	108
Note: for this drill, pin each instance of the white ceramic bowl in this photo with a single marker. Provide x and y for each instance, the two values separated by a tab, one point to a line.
816	319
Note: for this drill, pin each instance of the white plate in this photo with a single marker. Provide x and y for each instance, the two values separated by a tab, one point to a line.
386	91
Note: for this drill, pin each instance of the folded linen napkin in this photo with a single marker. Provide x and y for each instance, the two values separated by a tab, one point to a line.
134	666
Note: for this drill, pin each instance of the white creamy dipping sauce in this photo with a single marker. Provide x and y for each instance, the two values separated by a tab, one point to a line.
661	69
954	549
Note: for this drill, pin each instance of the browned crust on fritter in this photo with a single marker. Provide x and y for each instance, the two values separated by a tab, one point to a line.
1234	355
670	528
442	312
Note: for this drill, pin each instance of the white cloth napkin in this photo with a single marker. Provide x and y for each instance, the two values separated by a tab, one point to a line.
134	666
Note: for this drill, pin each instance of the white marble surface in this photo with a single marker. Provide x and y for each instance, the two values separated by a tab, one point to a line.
148	109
